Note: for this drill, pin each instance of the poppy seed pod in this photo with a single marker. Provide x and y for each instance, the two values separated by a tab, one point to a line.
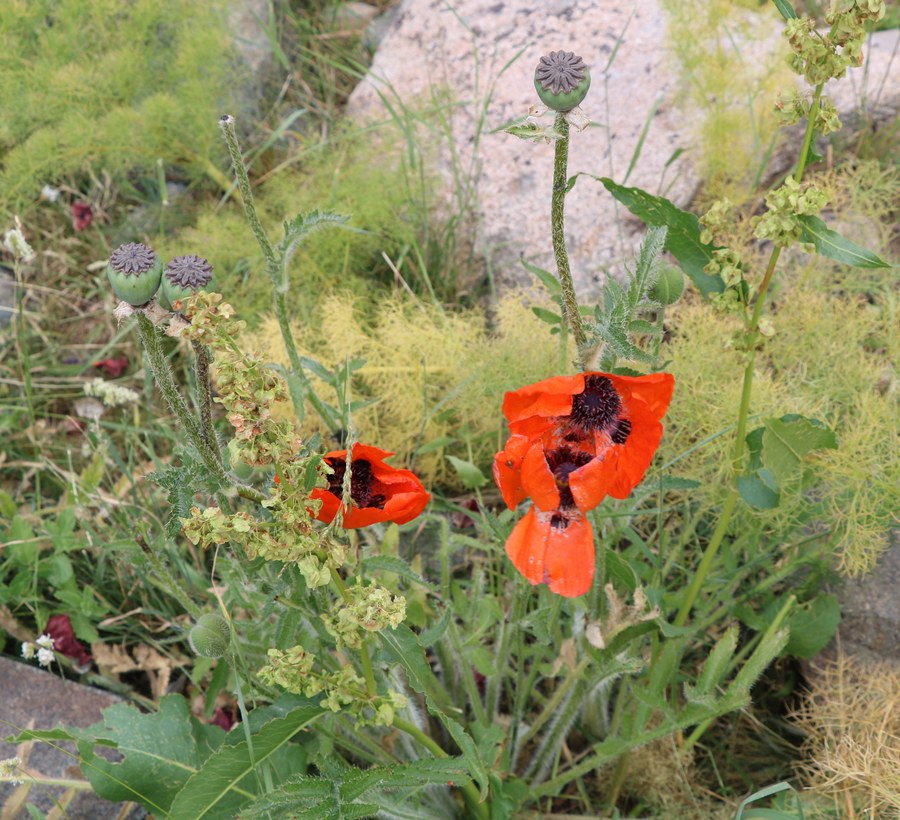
669	286
210	636
134	271
183	276
562	80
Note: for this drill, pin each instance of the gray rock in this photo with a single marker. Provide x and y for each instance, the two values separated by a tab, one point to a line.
37	699
870	608
431	45
8	296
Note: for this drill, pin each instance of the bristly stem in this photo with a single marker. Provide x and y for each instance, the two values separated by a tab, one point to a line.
165	381
275	263
571	314
204	390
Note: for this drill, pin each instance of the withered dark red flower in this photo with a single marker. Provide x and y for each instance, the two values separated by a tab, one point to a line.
378	491
82	215
59	627
113	368
575	440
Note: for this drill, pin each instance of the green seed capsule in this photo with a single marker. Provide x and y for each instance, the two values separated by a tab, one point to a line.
183	276
210	636
669	286
134	272
562	80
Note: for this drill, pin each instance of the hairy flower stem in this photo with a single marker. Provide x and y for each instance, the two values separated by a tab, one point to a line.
752	335
479	809
571	314
275	270
165	381
204	389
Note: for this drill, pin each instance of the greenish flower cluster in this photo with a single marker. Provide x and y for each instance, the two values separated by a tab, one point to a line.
367	608
726	263
289	538
344	690
785	204
792	107
715	224
821	57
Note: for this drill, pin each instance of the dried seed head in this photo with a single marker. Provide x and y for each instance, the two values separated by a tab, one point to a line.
560	71
132	259
189	271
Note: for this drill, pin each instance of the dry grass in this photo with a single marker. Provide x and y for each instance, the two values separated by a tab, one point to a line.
852	718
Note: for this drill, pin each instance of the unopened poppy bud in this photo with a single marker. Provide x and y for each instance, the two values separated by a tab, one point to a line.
669	286
183	276
210	636
134	271
562	80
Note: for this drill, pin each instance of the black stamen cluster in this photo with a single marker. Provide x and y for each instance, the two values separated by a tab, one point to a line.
362	483
597	406
563	462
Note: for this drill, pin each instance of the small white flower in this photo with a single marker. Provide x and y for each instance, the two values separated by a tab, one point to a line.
45	657
14	241
45	642
112	395
49	193
28	650
8	771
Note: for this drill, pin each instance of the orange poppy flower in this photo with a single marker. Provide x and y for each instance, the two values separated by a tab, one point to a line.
554	548
378	491
577	439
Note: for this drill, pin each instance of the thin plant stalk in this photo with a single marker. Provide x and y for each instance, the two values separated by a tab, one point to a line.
569	301
752	330
204	392
275	270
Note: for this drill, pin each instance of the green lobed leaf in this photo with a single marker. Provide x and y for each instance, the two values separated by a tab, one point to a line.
548	280
474	763
831	244
812	625
683	238
757	493
787	440
218	789
303	225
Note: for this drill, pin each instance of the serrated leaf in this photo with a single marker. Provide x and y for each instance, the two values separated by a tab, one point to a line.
787	440
785	9
769	648
683	238
431	635
160	752
831	244
403	647
303	225
812	626
215	790
471	476
716	664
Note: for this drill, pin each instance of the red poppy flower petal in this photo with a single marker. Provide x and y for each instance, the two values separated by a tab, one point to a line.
655	390
538	480
590	484
508	470
527	544
550	397
401	508
569	560
329	506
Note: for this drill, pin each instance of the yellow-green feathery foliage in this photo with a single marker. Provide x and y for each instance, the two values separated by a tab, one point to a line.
851	720
731	70
343	179
829	359
437	374
111	86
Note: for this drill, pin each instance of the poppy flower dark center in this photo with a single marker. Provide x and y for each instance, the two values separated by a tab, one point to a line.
563	462
364	487
596	406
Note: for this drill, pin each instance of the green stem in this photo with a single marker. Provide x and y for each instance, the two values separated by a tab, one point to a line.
204	389
165	381
468	789
571	314
275	270
737	459
550	707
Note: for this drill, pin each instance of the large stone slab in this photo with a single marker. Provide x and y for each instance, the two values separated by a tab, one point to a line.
432	44
37	699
